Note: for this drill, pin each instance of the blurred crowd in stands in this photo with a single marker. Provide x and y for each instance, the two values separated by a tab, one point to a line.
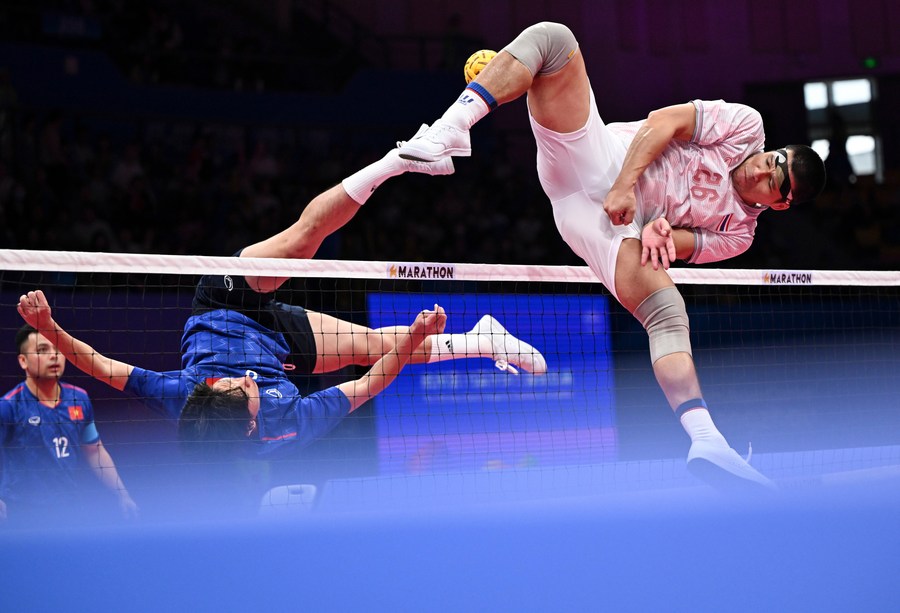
183	188
187	188
199	44
73	181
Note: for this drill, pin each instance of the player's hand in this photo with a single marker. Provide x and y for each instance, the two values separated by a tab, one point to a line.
620	205
429	322
657	244
35	310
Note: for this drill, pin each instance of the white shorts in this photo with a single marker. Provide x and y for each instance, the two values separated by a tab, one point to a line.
577	169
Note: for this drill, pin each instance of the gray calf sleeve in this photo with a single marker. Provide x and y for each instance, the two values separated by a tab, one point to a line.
544	48
663	315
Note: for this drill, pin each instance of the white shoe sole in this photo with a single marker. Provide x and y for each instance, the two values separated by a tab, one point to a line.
726	472
420	155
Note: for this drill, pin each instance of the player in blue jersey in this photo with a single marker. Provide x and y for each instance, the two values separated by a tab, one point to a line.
233	385
239	342
48	439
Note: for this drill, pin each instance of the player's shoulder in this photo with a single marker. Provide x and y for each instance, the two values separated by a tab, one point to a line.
14	402
723	107
279	389
14	393
719	102
74	390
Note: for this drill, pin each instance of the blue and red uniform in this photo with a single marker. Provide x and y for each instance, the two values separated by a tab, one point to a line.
230	341
43	459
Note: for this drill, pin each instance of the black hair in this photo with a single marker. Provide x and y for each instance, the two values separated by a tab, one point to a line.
809	173
213	423
22	336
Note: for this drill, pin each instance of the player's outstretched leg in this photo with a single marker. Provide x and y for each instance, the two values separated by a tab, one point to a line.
542	50
340	343
654	301
332	209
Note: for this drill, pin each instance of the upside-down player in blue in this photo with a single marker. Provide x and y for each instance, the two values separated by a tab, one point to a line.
48	439
239	341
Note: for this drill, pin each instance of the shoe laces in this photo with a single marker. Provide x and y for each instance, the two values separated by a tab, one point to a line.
438	128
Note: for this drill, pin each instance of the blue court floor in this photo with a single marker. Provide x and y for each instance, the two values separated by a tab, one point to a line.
828	541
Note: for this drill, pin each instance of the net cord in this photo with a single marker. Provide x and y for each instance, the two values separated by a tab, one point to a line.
96	262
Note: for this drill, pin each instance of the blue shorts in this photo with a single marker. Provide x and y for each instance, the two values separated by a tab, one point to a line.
231	292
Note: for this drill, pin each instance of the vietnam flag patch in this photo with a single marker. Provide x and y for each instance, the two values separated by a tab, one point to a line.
76	413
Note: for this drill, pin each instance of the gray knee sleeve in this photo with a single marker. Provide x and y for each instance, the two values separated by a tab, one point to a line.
544	48
664	316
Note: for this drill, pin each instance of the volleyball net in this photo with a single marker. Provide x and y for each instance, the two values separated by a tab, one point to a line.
800	363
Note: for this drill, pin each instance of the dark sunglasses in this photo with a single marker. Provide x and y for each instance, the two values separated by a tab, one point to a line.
785	187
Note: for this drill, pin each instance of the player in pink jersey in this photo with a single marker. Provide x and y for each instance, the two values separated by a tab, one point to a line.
688	182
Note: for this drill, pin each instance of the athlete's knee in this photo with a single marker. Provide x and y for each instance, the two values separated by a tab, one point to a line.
664	316
372	345
544	48
382	340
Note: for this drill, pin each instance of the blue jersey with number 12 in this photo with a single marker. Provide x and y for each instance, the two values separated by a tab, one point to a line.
42	453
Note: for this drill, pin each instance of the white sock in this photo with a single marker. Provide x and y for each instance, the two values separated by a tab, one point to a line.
363	183
454	346
699	425
468	109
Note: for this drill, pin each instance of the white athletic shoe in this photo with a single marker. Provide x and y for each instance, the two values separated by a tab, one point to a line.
441	167
721	467
508	350
433	144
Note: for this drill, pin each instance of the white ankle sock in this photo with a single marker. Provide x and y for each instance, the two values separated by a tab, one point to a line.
363	183
699	425
453	346
468	109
